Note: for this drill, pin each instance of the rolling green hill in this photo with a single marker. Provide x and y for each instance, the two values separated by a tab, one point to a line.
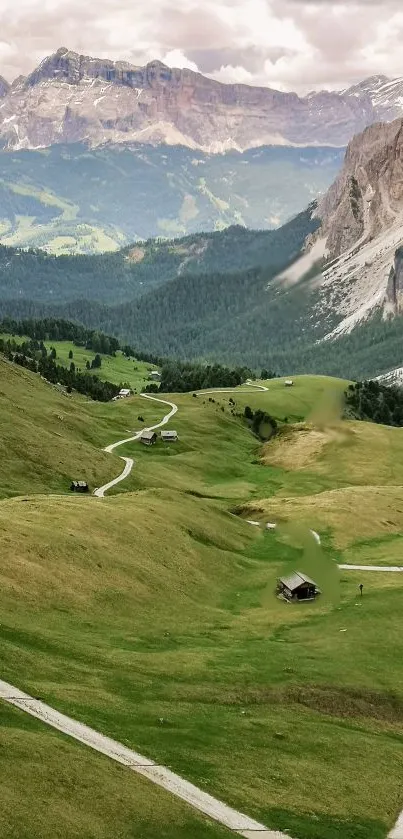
151	616
69	199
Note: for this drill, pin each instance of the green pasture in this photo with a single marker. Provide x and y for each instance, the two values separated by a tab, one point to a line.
151	614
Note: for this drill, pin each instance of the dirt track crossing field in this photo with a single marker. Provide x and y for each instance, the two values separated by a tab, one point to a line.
160	775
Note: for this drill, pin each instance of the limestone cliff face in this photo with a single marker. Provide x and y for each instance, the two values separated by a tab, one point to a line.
367	197
361	233
72	97
394	291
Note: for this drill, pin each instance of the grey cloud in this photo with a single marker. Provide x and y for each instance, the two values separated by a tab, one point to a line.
192	30
342	30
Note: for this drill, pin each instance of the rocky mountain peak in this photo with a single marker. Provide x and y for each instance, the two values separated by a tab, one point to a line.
71	67
72	97
369	84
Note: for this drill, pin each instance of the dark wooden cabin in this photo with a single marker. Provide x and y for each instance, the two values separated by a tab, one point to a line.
297	587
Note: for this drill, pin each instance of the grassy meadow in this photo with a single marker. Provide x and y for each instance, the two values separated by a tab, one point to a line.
151	616
114	369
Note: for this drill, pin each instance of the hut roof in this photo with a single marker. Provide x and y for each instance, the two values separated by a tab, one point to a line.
296	580
148	435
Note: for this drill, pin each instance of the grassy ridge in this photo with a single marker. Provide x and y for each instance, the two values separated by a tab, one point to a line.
157	622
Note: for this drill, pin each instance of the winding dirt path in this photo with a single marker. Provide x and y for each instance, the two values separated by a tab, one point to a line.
129	462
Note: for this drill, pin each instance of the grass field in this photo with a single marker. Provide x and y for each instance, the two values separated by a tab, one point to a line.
117	369
100	799
151	616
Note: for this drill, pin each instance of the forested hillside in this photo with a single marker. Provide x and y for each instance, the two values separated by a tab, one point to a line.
211	297
134	271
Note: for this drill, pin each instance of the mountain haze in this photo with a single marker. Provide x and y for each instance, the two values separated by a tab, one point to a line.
69	198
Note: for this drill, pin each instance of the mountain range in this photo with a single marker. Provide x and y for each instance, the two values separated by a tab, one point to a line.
74	98
96	154
324	290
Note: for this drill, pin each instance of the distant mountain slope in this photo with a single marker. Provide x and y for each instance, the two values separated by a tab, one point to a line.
207	296
72	97
73	199
136	270
220	296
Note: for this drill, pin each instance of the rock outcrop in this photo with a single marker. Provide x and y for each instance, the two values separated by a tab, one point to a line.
367	197
361	233
4	87
72	97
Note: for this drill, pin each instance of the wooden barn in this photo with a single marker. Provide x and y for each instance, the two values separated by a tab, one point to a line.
297	587
148	438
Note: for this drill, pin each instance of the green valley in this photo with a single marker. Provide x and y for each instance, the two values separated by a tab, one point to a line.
73	199
151	614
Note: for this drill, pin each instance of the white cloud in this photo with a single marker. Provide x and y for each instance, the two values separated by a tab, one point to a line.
176	58
290	44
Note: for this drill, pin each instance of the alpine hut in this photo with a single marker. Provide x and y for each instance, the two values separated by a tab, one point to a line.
297	587
79	486
148	438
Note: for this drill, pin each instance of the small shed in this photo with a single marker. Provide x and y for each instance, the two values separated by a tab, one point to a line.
289	383
148	437
155	375
79	486
297	587
169	436
124	392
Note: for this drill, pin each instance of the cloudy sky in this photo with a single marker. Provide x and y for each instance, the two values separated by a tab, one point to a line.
288	44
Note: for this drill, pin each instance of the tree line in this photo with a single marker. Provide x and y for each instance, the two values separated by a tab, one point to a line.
371	400
176	376
182	377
